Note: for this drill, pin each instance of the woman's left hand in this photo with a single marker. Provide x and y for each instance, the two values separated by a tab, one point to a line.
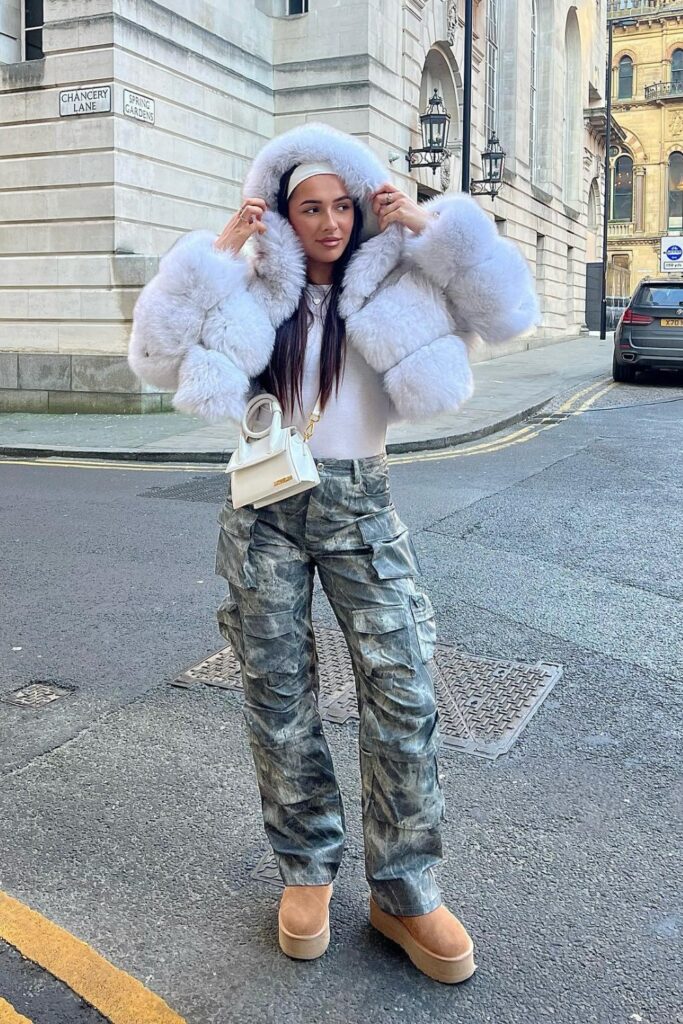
391	206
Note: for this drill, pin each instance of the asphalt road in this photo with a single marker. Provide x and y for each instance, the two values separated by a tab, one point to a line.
129	815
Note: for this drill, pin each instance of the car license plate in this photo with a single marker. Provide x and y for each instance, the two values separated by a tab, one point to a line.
672	323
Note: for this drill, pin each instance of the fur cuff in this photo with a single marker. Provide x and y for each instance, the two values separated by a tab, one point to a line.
170	310
485	278
459	237
435	379
194	272
211	386
497	298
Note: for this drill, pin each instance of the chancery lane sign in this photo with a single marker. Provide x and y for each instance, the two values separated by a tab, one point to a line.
94	99
138	106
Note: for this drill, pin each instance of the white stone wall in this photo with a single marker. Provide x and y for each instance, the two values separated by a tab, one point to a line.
10	31
88	202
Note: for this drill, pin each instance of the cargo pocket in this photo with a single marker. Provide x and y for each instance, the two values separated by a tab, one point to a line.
404	792
425	624
270	643
393	551
230	625
383	638
234	540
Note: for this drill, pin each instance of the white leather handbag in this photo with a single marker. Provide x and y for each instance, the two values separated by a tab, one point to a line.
271	464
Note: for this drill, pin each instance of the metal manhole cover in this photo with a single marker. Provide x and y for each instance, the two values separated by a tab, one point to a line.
37	694
211	488
267	871
484	703
548	417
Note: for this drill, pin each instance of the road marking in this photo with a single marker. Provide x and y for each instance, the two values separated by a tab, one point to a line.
8	1015
594	398
55	462
570	402
518	437
115	994
481	447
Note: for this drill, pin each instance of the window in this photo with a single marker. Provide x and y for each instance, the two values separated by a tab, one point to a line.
533	88
625	78
491	102
622	189
677	71
297	6
675	221
33	29
654	294
594	206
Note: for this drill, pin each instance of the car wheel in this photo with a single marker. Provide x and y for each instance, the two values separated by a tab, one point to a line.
621	373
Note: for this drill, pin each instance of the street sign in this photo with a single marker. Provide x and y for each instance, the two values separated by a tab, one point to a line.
94	99
138	106
672	253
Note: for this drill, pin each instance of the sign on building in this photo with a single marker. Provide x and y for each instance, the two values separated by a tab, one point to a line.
672	253
94	99
138	106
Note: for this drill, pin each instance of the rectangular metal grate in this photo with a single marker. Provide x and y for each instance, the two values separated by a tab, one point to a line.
37	695
484	703
211	488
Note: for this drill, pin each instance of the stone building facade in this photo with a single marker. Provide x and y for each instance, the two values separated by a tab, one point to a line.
646	203
128	122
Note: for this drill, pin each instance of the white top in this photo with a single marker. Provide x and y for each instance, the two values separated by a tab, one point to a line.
353	424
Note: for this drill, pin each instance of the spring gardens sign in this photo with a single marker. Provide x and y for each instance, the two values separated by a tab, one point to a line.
97	99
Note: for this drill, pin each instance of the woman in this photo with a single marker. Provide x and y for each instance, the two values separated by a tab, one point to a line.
353	290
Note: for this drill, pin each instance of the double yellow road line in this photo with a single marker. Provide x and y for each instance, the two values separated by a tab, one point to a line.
572	407
113	993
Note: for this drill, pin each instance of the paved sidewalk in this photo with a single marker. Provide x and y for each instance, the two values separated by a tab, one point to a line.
508	389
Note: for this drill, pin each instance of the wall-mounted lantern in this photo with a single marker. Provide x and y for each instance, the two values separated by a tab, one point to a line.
493	165
434	124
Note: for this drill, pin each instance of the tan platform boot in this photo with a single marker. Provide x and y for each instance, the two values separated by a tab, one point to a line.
437	943
304	920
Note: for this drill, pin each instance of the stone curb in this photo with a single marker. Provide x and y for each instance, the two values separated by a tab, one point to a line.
150	455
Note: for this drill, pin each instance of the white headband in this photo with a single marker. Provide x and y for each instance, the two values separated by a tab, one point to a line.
304	171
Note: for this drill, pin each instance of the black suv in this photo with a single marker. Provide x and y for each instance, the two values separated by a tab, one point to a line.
650	331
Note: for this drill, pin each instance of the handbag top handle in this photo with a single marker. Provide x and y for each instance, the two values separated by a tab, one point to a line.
267	399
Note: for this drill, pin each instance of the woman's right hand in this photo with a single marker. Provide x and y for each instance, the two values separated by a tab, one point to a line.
242	225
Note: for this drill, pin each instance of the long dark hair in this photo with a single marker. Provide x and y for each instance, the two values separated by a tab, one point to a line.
283	376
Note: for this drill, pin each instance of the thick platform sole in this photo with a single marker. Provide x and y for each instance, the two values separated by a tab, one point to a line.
449	970
306	947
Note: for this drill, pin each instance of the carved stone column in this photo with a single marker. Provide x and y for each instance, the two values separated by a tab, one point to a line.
639	198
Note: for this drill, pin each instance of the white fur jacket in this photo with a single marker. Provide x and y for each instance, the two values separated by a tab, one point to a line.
204	326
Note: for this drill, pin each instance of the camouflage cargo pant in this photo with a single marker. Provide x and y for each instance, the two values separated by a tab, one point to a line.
346	527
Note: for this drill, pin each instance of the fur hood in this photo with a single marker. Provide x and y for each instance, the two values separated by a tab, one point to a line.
205	325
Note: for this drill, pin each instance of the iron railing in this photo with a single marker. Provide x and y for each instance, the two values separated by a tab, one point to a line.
662	91
641	8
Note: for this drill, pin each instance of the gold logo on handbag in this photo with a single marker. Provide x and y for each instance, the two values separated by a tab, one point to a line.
274	457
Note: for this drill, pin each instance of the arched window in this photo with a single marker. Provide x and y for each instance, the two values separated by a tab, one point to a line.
675	221
594	205
677	70
622	189
625	78
491	104
533	89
